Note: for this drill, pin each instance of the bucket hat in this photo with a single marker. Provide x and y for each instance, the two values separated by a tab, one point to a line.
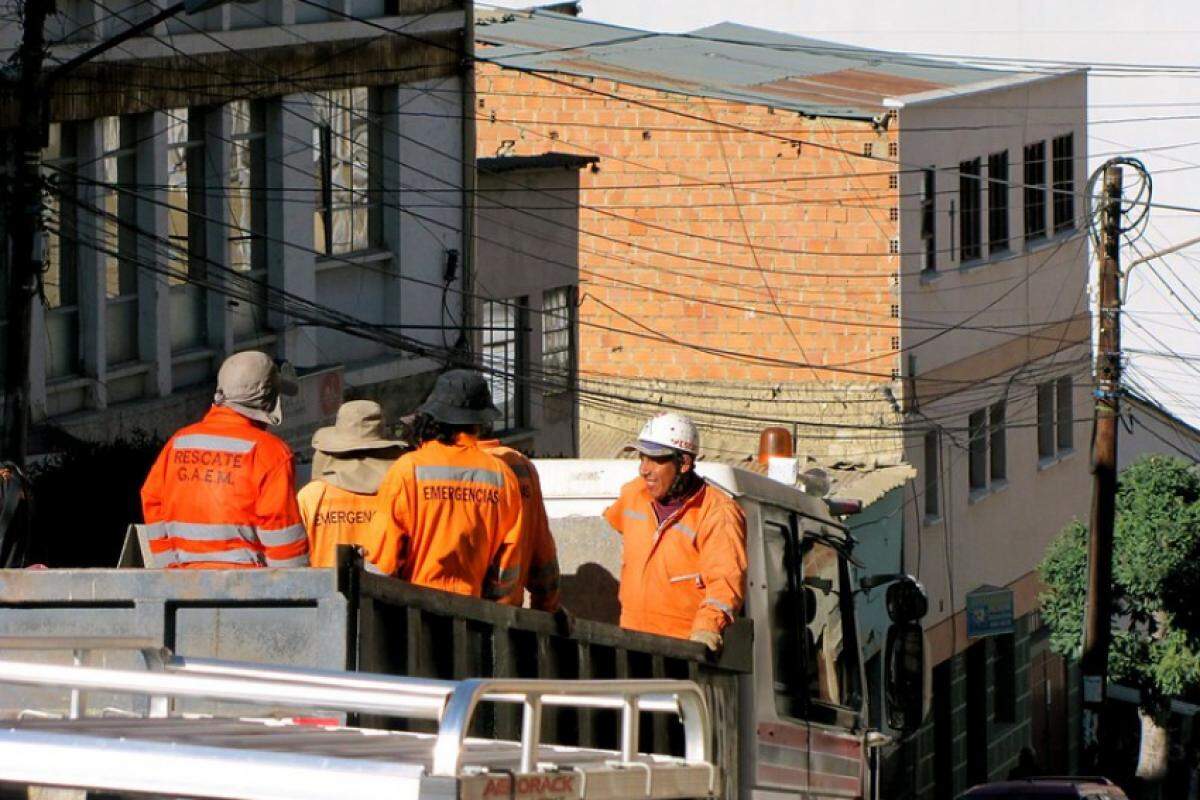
461	397
359	426
253	385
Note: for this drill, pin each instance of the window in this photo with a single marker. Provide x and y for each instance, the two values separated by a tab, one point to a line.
118	243
816	671
1066	414
969	210
1035	191
987	446
1056	417
978	446
504	360
248	217
558	339
1063	152
998	181
1045	420
185	225
932	504
345	137
998	442
928	217
61	278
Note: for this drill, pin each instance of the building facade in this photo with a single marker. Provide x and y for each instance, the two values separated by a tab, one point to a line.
887	255
239	179
526	295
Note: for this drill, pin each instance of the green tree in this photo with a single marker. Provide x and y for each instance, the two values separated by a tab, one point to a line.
1156	574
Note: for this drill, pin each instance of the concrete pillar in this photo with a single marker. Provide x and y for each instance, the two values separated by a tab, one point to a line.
154	293
392	225
37	361
292	179
93	318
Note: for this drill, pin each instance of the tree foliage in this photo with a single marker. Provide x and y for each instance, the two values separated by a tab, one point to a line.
1156	576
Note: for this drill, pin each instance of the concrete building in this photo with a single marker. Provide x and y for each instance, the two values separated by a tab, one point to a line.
241	179
1151	429
884	253
526	295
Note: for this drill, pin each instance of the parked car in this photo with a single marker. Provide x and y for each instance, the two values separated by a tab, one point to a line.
1052	787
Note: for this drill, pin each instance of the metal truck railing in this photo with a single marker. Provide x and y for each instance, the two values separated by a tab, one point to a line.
348	619
35	752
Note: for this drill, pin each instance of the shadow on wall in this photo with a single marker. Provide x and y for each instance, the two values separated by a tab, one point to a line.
84	499
591	593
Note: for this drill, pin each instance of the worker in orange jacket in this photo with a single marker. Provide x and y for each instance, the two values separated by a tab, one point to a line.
539	557
683	570
454	510
338	506
222	492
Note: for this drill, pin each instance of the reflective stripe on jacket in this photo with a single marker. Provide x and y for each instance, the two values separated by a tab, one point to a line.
687	574
222	494
538	558
334	516
455	513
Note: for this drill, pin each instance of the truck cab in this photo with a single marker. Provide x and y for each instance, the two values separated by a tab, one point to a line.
803	715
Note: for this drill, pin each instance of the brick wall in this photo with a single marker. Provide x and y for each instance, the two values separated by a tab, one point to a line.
670	290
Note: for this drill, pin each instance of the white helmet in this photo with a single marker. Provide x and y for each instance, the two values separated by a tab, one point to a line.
667	434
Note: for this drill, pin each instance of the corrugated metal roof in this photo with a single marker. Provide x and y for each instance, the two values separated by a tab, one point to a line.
725	61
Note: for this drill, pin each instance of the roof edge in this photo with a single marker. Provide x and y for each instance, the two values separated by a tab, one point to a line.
972	89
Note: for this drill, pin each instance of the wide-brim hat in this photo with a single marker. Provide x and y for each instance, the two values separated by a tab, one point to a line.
253	385
461	397
359	426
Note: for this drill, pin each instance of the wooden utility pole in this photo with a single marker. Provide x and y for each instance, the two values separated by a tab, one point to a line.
1097	631
23	220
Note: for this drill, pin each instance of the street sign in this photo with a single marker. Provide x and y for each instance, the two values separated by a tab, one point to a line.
989	612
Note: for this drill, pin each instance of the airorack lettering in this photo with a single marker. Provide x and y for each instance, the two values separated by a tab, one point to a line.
542	786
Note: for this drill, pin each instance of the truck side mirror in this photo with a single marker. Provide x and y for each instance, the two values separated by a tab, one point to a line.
907	677
906	600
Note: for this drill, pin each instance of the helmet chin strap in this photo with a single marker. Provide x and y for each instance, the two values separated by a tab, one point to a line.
684	481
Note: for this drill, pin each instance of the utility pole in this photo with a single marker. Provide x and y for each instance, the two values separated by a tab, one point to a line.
24	222
1097	631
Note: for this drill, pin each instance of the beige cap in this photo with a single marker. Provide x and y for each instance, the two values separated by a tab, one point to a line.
359	426
252	384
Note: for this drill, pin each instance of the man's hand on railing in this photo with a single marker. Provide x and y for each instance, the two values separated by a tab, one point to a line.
710	639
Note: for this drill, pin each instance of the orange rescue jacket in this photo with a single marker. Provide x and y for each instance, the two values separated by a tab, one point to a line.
687	574
539	557
222	494
455	513
333	516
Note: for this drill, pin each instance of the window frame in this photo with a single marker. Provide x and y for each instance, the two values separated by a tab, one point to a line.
365	199
559	379
998	228
1035	191
970	211
933	458
62	305
1046	436
254	235
1063	177
977	447
998	442
1064	414
118	167
929	217
188	252
514	381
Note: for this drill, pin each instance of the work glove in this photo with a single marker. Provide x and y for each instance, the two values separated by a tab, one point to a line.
710	639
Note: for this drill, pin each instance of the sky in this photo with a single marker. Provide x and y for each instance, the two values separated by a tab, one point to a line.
1152	117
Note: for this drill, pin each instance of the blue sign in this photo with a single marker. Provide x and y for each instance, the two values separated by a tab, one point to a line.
989	612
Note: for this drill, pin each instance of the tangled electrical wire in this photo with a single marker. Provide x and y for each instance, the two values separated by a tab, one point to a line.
1135	226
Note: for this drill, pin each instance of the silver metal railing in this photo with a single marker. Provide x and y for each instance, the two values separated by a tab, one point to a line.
451	703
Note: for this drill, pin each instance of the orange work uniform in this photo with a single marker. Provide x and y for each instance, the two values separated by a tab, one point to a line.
539	557
222	494
333	516
455	513
687	573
